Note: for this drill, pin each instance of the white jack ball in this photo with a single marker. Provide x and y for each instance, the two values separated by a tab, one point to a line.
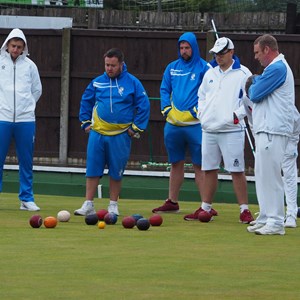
63	216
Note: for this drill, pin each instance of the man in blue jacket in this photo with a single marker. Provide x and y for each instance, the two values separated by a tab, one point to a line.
182	131
114	108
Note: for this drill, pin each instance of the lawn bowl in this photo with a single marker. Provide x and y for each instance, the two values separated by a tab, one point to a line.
137	217
36	221
50	222
128	222
110	218
91	219
204	216
156	220
143	224
101	214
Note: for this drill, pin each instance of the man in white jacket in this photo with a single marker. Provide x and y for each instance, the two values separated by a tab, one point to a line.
289	163
273	95
221	111
290	174
20	89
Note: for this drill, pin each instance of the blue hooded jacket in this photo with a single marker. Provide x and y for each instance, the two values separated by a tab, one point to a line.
180	84
112	105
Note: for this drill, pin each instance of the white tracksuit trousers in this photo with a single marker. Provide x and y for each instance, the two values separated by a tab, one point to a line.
270	150
290	177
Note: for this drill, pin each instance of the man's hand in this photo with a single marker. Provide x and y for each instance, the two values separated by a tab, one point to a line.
133	134
249	83
235	119
87	129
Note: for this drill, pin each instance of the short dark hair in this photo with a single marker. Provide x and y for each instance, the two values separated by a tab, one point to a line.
16	39
115	52
267	40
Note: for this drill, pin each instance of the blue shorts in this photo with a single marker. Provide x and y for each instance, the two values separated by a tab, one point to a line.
107	151
179	139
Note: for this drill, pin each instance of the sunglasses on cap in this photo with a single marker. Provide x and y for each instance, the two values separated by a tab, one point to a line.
223	52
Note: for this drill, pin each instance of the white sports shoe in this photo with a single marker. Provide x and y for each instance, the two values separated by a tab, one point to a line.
30	206
255	227
87	208
270	229
290	222
113	208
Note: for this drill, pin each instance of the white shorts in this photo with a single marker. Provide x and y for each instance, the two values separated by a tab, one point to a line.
227	145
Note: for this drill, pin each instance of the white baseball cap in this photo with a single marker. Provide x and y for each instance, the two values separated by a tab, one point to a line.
221	45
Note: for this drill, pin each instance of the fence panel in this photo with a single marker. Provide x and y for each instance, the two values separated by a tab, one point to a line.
146	55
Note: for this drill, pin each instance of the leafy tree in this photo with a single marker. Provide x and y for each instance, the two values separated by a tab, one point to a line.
201	5
274	5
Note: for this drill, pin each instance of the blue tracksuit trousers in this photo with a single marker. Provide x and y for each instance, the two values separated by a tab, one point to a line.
23	134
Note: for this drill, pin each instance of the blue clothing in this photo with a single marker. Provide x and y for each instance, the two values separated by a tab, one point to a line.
274	77
179	138
107	151
22	133
180	84
273	95
112	105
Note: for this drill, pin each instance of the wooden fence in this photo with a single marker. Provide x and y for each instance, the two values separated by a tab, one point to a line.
255	22
68	59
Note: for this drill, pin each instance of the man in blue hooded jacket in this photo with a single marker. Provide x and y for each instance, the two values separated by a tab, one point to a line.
114	108
182	131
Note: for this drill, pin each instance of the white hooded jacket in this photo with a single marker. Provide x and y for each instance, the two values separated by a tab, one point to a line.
20	84
220	95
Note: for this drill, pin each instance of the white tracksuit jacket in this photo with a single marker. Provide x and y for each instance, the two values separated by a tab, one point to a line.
20	84
220	95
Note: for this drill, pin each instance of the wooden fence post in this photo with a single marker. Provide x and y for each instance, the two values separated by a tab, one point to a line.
64	96
291	18
210	41
92	18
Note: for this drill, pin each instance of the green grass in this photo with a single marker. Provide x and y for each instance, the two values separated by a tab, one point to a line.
178	260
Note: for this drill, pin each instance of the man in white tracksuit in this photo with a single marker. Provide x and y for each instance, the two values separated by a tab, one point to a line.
273	96
20	89
221	112
289	164
290	174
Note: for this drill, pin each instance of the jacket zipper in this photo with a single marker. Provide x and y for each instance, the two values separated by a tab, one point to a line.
14	116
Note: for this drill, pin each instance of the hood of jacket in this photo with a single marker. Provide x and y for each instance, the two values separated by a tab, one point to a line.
192	40
16	33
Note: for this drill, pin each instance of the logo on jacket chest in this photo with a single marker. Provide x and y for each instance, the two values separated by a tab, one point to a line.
121	90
